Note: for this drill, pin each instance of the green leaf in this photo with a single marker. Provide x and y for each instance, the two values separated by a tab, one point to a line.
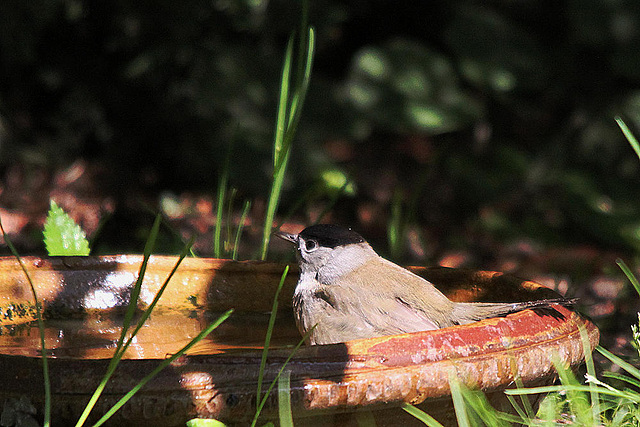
62	236
421	415
201	422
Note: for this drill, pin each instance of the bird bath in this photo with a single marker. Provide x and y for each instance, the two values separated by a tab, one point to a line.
84	300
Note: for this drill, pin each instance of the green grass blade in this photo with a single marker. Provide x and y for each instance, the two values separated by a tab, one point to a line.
458	401
149	310
274	197
43	348
174	232
135	292
627	272
243	218
550	410
287	122
601	384
526	404
275	380
478	410
160	367
116	358
98	391
222	190
588	359
280	156
301	93
482	411
217	231
634	382
524	417
421	415
633	397
299	96
627	133
295	108
283	104
576	396
267	339
618	361
131	308
230	203
284	400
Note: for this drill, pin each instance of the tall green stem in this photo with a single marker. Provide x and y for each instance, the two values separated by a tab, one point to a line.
289	110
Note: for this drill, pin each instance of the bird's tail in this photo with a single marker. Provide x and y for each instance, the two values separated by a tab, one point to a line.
468	312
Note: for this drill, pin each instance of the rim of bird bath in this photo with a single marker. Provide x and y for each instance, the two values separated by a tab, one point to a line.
327	382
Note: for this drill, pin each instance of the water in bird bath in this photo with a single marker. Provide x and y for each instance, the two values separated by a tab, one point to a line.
95	335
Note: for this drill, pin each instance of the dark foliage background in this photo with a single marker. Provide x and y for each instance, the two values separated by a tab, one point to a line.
482	132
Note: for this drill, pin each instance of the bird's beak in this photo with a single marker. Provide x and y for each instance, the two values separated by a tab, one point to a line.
293	238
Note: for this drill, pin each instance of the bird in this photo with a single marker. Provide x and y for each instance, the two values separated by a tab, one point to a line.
347	291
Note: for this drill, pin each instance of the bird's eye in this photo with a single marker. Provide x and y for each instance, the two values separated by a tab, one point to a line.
310	245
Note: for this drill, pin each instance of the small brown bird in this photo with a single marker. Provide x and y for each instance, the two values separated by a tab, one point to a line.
349	292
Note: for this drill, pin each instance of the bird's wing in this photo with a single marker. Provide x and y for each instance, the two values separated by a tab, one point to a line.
394	300
395	316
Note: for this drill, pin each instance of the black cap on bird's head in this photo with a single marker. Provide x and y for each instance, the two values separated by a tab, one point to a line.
325	252
330	236
327	235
